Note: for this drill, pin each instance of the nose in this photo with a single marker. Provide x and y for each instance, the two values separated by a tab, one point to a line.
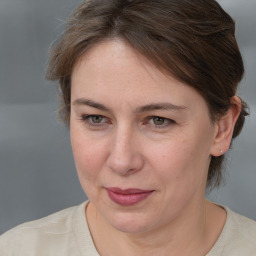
125	157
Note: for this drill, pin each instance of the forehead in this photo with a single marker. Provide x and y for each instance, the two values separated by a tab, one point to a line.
114	70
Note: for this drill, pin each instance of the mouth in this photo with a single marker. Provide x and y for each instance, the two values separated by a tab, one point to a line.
127	197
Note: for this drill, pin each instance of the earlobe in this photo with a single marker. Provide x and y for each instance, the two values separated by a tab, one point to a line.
225	127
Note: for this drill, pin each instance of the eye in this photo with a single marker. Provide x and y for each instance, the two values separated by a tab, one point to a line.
160	122
96	121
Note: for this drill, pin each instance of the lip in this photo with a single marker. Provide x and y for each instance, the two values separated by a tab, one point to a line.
127	197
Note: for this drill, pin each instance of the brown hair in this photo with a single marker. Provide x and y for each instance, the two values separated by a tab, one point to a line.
192	40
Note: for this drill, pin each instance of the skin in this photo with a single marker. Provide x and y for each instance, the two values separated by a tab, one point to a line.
121	145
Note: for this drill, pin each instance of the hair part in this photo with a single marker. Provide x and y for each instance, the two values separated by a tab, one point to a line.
194	41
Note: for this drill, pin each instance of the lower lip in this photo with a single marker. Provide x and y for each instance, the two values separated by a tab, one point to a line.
128	199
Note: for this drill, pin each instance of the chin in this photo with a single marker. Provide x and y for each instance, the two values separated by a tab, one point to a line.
129	222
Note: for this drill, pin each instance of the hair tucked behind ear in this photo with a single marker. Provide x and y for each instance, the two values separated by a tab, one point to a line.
215	170
241	119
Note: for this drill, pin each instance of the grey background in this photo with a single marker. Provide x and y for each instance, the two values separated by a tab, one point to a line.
37	175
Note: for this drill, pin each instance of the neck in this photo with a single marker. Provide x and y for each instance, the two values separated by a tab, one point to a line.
193	229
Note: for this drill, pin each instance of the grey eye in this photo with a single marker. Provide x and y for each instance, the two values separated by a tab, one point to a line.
158	120
96	119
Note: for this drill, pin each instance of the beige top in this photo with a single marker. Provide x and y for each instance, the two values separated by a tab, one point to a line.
66	233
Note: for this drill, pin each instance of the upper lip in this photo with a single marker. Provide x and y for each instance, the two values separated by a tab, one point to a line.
128	191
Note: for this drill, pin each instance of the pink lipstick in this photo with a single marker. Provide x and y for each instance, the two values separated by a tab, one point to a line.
126	197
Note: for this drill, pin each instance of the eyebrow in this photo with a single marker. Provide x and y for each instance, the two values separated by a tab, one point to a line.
146	108
160	106
90	103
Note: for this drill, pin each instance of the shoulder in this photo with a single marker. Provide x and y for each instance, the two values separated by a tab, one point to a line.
244	229
34	236
238	236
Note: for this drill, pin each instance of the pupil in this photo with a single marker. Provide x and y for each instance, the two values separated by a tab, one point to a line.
158	120
96	119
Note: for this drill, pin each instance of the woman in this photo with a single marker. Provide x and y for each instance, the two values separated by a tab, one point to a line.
149	94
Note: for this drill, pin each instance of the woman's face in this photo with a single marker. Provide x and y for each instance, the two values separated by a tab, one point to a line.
141	139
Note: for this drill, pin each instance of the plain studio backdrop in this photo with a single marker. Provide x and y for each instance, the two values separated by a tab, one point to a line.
37	175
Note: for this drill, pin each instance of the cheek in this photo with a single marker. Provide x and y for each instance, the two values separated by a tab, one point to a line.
89	160
88	156
180	164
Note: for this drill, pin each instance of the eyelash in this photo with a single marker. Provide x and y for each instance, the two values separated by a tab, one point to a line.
87	120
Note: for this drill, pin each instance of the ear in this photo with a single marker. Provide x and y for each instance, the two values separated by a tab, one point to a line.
225	127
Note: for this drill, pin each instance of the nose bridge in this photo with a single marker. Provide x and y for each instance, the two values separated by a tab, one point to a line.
125	156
